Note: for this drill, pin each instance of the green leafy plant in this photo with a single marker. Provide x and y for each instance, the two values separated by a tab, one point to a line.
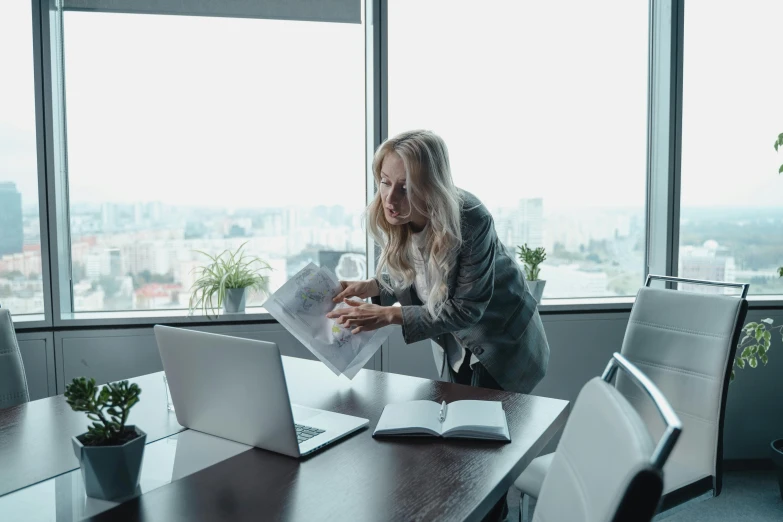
227	270
108	407
757	337
755	344
531	258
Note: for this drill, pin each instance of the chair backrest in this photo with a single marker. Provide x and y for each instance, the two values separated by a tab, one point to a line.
685	343
606	466
13	383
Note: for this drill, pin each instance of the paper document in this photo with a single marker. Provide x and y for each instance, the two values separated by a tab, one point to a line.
301	305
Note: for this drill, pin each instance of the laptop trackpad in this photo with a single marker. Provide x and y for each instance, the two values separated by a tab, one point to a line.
302	413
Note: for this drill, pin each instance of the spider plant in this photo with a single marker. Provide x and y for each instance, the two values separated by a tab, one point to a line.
227	270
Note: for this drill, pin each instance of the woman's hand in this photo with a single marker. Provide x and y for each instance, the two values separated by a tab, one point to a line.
360	289
364	317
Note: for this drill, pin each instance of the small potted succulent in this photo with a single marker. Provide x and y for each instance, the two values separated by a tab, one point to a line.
531	259
110	453
225	280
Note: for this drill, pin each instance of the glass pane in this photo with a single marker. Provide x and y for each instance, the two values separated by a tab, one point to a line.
21	285
732	196
543	106
205	134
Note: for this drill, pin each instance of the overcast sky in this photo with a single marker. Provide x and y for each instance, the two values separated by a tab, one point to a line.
534	99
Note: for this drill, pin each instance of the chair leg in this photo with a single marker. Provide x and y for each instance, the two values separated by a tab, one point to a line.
524	504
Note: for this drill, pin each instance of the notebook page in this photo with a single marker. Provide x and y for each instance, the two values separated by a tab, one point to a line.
410	417
479	416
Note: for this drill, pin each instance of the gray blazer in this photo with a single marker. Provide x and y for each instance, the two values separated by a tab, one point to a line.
490	310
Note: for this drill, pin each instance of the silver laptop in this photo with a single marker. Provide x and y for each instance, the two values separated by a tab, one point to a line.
235	388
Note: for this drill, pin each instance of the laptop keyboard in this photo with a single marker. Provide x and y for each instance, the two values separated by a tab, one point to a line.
304	433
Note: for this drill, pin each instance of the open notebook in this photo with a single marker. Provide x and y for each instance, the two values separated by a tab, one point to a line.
464	419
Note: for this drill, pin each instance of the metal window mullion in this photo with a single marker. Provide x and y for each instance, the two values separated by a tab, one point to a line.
56	160
376	103
676	135
376	75
382	73
664	137
40	139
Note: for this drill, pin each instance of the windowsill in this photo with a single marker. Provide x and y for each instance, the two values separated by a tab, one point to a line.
28	318
586	305
258	314
765	300
624	304
151	317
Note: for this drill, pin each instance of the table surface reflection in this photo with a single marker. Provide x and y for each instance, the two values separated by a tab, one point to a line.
35	437
62	499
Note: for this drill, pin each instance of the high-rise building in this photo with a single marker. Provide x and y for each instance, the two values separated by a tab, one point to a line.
155	211
115	262
109	217
138	214
531	222
522	224
11	230
709	262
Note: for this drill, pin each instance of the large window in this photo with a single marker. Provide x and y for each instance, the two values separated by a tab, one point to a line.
731	226
201	133
543	106
21	284
176	127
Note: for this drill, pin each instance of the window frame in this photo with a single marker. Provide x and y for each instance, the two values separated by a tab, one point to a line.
662	207
43	319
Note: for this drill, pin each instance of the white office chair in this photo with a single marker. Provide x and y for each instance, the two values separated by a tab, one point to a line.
606	467
13	383
686	343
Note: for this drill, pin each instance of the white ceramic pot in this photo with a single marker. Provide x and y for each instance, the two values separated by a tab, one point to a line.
234	303
537	289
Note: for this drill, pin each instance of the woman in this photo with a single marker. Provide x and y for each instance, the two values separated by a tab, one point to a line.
443	262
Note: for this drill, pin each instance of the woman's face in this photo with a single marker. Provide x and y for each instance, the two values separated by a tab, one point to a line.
394	196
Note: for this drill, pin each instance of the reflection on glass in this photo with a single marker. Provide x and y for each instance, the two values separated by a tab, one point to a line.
62	499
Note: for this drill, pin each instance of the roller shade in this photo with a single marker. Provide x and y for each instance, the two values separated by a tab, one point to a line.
340	11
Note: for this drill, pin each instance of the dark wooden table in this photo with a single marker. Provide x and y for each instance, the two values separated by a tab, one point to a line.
358	478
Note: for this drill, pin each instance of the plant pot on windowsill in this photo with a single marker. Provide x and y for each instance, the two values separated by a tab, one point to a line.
532	258
234	303
537	289
223	283
777	459
111	472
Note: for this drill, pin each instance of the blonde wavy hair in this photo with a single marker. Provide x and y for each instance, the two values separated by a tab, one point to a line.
431	192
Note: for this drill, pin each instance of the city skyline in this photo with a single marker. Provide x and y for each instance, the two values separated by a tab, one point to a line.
142	256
